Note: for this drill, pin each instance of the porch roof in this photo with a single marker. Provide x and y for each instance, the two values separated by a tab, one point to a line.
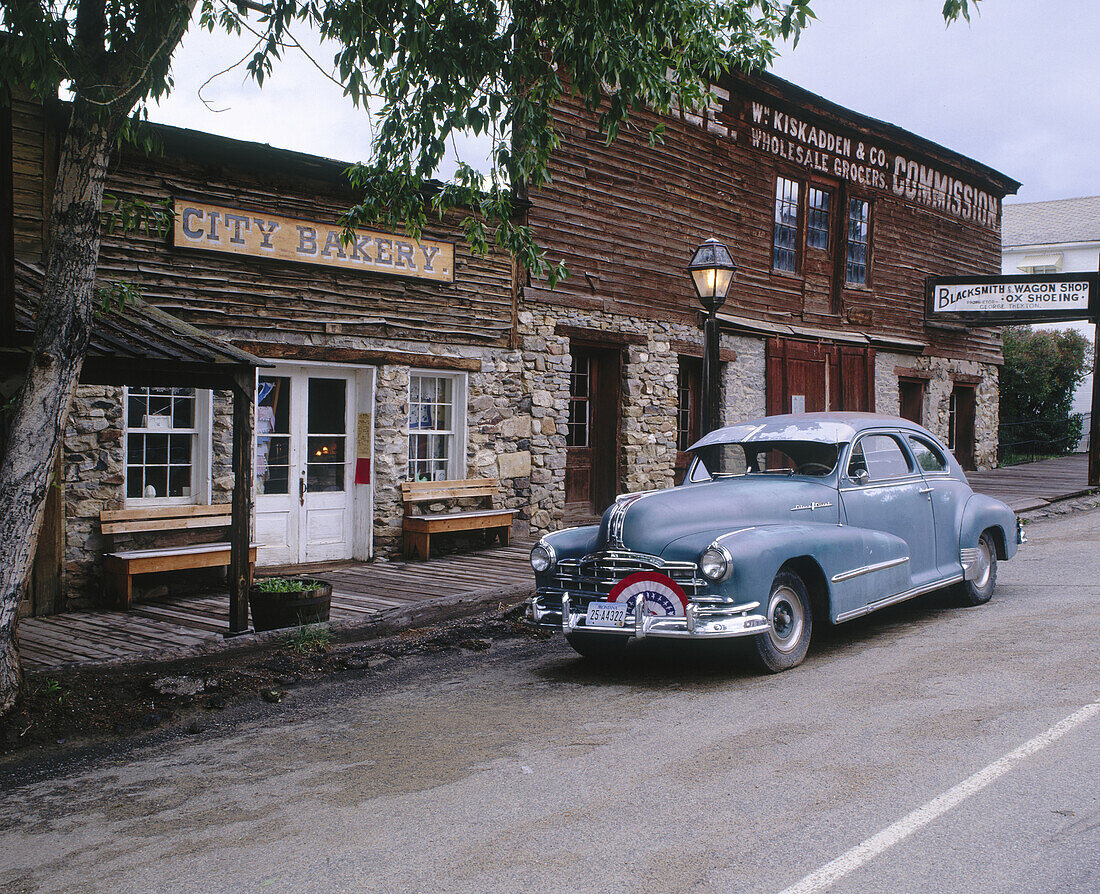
136	344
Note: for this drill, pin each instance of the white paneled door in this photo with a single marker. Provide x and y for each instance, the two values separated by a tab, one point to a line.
305	461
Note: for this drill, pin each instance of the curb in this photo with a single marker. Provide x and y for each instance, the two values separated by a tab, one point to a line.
385	623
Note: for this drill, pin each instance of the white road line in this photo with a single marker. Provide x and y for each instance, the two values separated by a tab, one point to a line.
922	816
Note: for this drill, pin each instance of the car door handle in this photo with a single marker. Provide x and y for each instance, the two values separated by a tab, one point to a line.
926	490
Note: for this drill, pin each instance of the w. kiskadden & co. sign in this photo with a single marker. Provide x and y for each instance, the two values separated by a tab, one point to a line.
216	228
996	300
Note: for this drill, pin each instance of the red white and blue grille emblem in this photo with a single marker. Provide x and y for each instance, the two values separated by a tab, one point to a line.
662	596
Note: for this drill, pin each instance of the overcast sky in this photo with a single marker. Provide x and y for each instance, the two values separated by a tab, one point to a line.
1016	89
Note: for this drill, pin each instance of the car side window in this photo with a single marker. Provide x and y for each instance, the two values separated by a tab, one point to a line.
928	457
880	456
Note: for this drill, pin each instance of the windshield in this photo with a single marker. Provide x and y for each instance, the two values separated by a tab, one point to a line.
764	458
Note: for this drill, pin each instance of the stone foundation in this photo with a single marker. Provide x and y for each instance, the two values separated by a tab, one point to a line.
516	412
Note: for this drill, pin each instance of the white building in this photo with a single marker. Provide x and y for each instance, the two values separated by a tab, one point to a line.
1061	236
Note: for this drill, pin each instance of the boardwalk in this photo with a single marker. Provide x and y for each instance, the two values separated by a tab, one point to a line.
360	591
1034	485
365	591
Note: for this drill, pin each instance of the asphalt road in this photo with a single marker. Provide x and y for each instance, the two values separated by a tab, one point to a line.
926	748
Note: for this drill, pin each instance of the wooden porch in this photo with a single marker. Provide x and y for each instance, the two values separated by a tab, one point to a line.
1033	485
360	591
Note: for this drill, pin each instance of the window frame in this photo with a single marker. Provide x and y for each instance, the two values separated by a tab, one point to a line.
830	217
458	433
934	449
852	197
202	448
799	247
899	442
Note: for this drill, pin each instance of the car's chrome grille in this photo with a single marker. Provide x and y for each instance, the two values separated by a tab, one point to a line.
595	575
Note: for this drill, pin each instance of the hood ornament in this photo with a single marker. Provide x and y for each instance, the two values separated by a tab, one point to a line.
617	520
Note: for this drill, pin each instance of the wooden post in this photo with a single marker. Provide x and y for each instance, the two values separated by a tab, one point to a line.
240	571
7	226
1094	439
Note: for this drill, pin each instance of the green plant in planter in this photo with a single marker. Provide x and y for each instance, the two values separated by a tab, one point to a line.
286	584
288	602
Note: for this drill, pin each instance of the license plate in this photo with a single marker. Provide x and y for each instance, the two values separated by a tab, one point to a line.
606	614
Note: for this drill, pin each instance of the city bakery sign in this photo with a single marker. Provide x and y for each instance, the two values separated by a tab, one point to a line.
217	228
859	161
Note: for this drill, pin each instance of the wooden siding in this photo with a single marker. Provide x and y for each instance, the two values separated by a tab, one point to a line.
29	158
260	299
626	218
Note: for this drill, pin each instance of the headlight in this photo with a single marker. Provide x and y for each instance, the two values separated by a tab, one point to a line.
715	563
543	557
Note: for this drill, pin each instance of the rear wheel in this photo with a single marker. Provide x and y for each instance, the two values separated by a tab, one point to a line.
598	646
790	624
979	590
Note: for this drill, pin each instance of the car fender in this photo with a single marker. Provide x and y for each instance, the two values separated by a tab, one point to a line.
856	564
981	513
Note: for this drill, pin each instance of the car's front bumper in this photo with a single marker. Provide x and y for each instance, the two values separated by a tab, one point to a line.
701	621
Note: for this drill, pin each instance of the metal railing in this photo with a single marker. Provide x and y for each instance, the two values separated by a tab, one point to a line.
1035	439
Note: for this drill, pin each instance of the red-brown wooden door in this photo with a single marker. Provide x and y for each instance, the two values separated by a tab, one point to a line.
592	454
961	425
805	377
796	376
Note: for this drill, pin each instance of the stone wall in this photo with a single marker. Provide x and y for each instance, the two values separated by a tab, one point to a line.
937	397
516	412
92	464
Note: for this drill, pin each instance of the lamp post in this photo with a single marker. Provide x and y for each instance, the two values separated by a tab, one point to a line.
712	271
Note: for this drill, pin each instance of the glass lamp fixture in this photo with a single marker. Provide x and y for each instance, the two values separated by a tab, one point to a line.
712	271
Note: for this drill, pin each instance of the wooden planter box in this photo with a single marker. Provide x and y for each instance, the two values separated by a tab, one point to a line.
271	611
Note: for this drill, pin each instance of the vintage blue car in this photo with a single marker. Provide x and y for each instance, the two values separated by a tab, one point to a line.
780	523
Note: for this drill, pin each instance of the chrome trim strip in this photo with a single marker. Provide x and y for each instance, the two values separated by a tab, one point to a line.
718	540
898	597
867	569
893	482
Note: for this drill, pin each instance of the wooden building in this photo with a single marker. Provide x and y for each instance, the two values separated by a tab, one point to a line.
834	220
390	360
384	360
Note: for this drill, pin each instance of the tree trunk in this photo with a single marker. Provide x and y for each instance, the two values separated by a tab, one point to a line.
61	339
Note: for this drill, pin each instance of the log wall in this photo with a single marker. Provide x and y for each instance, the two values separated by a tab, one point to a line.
627	217
267	299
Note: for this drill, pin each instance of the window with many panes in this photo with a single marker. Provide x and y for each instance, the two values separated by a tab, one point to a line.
785	239
688	385
167	434
859	242
580	392
436	425
818	212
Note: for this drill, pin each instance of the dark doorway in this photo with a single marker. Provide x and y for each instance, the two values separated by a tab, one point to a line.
592	443
911	399
689	385
960	429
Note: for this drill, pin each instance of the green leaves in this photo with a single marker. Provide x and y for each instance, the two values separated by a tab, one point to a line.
1041	370
132	215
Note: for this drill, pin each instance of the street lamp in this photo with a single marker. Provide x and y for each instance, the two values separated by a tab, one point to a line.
712	271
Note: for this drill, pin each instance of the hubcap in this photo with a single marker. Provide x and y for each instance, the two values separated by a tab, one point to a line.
985	564
787	619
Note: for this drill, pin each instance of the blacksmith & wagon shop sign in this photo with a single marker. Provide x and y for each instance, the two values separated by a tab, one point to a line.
217	228
1002	300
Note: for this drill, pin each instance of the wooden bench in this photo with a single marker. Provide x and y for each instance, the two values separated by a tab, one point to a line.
419	528
122	565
